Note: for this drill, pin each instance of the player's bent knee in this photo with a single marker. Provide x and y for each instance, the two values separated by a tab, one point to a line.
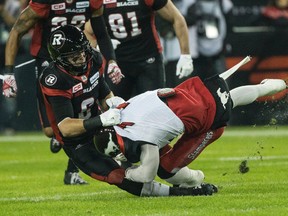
116	176
218	133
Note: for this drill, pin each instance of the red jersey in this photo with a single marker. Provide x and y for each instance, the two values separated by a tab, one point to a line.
194	105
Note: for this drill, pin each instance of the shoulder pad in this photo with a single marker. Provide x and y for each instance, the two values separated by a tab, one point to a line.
50	78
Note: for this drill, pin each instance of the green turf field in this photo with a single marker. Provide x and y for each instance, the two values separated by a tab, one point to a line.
31	180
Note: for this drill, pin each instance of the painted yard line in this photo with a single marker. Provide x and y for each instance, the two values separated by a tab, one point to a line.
24	138
256	132
252	158
228	133
56	197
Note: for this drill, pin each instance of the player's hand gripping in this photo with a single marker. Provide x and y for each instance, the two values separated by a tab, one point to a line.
9	87
184	66
115	101
114	73
111	117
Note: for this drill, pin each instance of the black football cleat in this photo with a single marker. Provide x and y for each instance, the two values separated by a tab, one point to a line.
73	178
204	189
55	146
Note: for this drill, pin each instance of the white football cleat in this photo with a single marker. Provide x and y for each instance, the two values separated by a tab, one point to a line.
277	84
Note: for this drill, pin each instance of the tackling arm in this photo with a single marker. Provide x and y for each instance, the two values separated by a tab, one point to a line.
63	111
71	127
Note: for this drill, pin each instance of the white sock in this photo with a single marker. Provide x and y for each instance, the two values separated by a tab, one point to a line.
154	189
183	175
247	94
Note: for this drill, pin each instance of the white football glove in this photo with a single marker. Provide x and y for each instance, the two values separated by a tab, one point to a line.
9	87
115	101
111	117
114	73
184	66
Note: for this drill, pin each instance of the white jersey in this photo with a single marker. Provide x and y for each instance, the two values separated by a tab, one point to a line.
153	121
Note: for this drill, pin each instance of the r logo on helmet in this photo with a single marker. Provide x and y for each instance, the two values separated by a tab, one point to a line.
57	39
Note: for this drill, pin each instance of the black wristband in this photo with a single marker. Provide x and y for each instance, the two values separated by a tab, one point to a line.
8	69
92	124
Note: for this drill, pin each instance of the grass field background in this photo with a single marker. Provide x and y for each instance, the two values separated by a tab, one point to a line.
31	180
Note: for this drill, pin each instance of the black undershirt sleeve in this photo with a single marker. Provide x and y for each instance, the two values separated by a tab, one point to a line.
62	107
103	38
104	89
157	5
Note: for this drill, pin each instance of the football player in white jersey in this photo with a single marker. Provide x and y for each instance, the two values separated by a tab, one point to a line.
195	110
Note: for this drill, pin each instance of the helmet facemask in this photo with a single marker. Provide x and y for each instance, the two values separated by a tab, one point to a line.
76	62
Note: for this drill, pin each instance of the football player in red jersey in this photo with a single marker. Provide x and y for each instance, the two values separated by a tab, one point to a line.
139	54
195	110
73	86
44	16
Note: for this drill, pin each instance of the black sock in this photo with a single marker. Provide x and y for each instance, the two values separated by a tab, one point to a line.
71	167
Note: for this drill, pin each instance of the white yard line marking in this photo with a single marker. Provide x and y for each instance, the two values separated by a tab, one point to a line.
56	196
252	132
24	138
229	133
253	158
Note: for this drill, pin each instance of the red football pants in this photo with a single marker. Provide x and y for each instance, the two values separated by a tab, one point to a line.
186	149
